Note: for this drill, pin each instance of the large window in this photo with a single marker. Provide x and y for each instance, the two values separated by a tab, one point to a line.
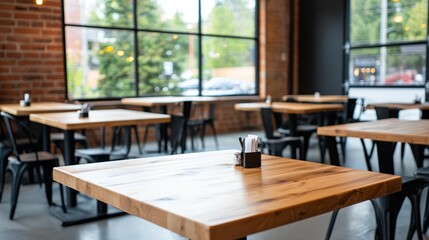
386	43
124	48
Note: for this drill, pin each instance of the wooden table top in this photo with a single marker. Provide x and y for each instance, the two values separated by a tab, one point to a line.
160	101
38	107
205	196
98	118
319	99
292	108
400	106
388	130
251	107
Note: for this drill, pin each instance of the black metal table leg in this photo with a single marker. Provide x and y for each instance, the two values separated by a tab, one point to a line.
75	215
331	143
46	138
385	156
418	153
163	129
69	159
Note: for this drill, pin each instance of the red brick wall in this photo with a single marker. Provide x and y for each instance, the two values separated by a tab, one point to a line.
276	43
31	56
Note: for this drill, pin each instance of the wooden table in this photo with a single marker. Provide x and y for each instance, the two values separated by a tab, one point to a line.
400	106
294	109
327	114
38	107
318	99
204	196
69	122
162	103
289	107
385	132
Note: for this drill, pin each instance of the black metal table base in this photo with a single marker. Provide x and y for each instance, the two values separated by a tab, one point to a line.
77	215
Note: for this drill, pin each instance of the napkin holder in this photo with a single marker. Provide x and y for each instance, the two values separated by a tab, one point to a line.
23	103
83	114
251	159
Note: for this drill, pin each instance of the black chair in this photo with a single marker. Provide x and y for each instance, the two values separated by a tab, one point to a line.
186	114
387	209
195	125
276	143
382	113
120	148
6	149
424	172
156	127
58	138
301	128
176	130
347	116
27	158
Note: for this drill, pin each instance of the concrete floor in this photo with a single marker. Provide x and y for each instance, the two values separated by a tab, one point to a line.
33	221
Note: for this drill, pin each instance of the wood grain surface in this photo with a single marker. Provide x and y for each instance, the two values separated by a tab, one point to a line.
319	99
158	101
98	118
205	196
388	130
400	106
286	107
38	107
251	107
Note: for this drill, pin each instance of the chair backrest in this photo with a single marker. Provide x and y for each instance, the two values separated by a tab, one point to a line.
291	99
176	123
186	109
349	110
3	132
212	107
267	122
121	139
15	126
384	112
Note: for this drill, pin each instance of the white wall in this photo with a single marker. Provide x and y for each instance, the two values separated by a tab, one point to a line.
389	95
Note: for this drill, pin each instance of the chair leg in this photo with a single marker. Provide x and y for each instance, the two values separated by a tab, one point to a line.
214	134
366	155
426	215
17	174
4	153
322	148
386	212
146	131
202	135
158	136
192	130
136	135
331	224
301	151
415	217
293	151
343	141
306	144
402	151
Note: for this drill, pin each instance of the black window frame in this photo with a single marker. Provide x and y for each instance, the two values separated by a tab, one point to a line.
347	48
135	29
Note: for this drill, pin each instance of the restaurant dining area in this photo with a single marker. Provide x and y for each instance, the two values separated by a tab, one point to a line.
214	119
